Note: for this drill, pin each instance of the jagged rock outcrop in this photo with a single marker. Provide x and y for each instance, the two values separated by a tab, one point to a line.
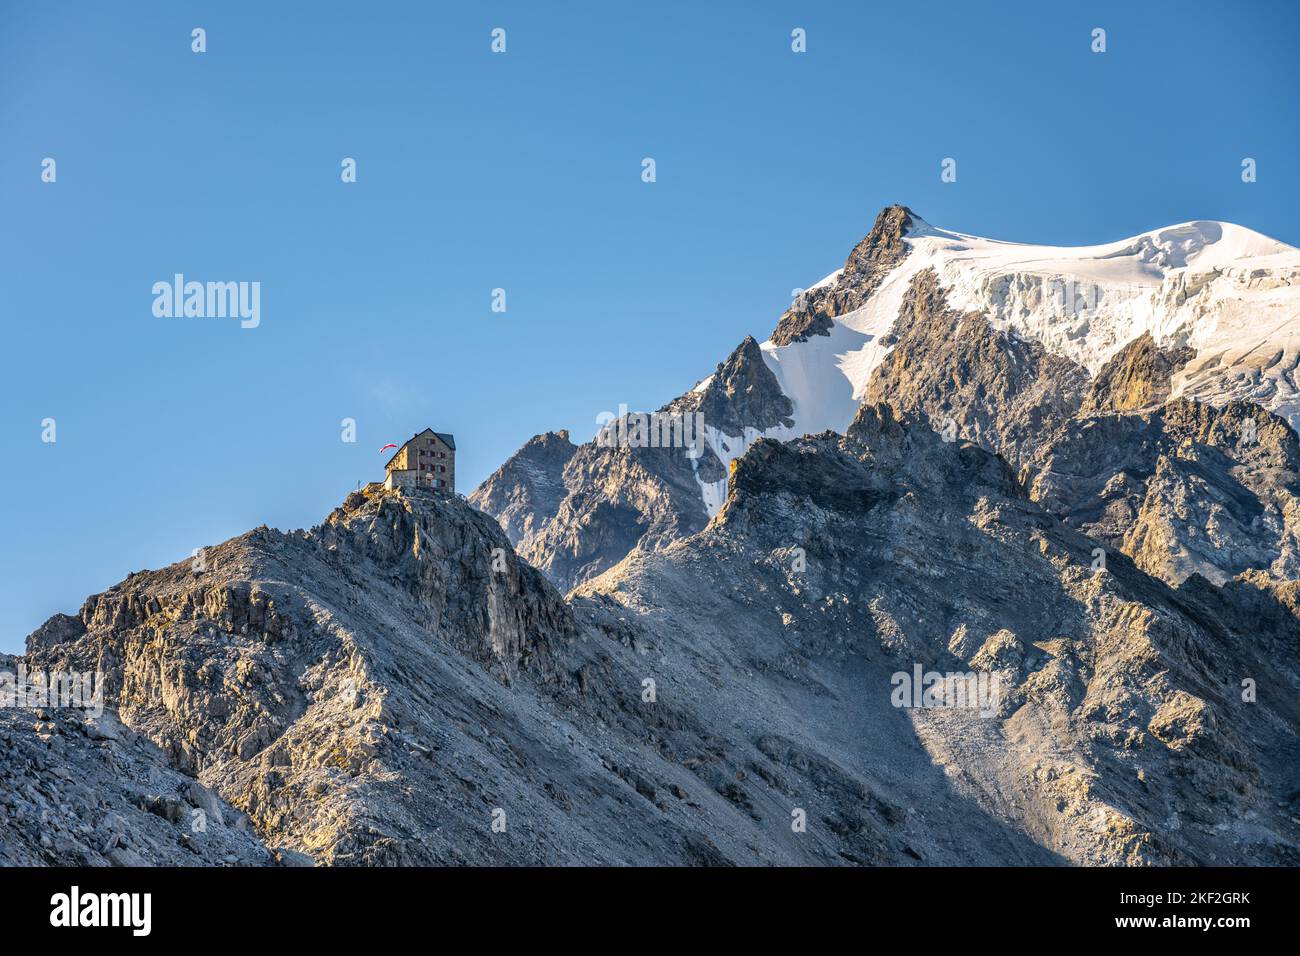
1139	376
741	394
525	493
1179	486
82	790
618	495
299	674
1002	392
881	250
618	498
1183	489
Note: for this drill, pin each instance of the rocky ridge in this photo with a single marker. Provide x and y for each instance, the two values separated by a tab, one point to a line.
993	376
880	251
386	688
575	513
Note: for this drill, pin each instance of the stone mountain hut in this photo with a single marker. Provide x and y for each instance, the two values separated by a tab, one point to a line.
427	460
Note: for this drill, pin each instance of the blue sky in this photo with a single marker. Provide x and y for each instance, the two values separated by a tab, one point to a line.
519	171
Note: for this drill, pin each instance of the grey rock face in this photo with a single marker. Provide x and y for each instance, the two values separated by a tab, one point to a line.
57	630
617	499
274	676
1180	487
867	265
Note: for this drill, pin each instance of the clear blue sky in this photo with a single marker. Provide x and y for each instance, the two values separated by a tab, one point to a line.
520	171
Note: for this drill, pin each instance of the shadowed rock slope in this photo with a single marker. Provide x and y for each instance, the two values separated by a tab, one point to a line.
1182	489
1124	734
1179	486
525	493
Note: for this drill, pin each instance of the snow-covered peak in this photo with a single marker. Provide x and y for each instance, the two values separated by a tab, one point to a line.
1228	292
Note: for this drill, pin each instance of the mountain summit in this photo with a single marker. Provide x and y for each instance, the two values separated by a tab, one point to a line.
1230	295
